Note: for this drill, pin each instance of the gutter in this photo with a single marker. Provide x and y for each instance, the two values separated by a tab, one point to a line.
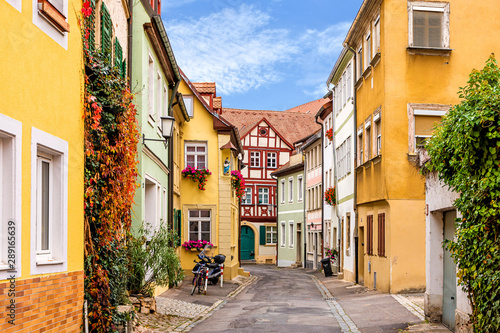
304	231
129	46
322	186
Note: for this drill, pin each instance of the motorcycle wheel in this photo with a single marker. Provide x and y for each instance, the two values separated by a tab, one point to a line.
214	280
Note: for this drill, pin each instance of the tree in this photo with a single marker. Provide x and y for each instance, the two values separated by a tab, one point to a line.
465	152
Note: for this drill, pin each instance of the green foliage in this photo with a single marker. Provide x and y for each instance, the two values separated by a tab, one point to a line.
153	262
465	152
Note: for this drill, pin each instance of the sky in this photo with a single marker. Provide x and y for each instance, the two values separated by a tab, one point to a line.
262	54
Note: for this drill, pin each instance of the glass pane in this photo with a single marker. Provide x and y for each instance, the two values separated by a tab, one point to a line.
194	213
45	206
193	236
190	160
200	149
205	226
190	149
205	213
268	238
193	226
205	236
201	161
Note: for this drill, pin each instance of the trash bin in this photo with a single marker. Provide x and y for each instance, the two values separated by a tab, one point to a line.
327	266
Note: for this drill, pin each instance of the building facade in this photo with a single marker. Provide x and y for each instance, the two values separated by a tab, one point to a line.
344	139
312	149
41	166
290	180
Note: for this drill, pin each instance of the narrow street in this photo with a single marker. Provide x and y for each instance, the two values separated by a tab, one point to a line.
282	300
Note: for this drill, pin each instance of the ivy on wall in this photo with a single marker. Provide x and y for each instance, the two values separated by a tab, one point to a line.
111	138
465	152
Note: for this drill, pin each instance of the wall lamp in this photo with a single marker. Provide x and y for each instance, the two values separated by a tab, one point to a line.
167	126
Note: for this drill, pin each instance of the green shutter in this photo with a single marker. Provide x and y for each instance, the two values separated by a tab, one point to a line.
118	56
92	26
106	32
262	234
178	225
124	68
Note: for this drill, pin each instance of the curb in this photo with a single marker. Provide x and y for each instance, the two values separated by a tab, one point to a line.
410	306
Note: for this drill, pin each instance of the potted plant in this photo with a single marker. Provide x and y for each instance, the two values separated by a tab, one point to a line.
197	175
238	183
196	245
329	134
331	196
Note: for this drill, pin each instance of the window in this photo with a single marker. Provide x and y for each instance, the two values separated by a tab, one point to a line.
343	156
152	199
381	235
159	84
271	160
247	199
10	194
429	24
348	231
282	191
422	119
376	37
165	206
349	82
151	86
263	196
283	234
50	16
196	154
368	50
360	146
255	159
188	102
378	134
299	188
291	234
165	102
271	235
49	203
290	189
359	61
369	235
368	137
200	225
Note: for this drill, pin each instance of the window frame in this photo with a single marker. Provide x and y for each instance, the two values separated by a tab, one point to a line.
255	157
414	109
291	234
273	158
377	133
244	200
381	235
368	139
282	199
42	19
368	49
195	144
369	235
290	189
271	230
200	220
283	234
151	89
263	194
443	7
10	194
50	145
190	110
300	186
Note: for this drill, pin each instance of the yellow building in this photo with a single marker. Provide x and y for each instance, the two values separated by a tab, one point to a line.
411	57
206	141
41	166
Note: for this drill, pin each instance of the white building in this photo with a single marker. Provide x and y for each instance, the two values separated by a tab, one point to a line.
344	142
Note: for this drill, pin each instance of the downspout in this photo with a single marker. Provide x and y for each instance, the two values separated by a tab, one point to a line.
171	160
304	233
356	240
322	187
129	46
277	221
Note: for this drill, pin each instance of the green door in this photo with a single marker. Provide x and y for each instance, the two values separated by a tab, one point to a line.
247	243
449	274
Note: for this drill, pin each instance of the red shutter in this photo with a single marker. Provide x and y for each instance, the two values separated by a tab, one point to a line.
369	242
381	235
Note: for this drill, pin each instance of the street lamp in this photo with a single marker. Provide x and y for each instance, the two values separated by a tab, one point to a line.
167	126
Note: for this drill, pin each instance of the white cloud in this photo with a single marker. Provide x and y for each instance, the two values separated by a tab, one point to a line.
234	48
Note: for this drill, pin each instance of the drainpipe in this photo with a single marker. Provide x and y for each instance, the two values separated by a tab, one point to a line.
170	164
304	231
322	187
129	46
277	221
355	141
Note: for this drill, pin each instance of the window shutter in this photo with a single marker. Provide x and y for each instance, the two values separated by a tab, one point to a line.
262	234
124	68
118	56
91	40
106	32
178	225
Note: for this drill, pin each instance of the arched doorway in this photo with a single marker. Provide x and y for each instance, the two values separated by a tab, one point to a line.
247	243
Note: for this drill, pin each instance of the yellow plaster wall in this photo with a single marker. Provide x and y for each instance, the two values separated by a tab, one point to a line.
41	85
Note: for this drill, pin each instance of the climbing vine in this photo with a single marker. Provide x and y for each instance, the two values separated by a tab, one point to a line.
465	152
110	145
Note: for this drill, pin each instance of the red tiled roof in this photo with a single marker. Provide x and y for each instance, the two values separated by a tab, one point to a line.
291	125
205	87
309	107
217	102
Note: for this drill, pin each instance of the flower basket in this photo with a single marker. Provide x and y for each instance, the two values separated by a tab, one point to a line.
238	183
329	134
196	245
331	252
197	175
331	196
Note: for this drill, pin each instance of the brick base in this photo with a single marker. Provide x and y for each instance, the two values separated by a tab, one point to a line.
44	304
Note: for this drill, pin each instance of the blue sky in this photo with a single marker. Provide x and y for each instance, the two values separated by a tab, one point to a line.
263	54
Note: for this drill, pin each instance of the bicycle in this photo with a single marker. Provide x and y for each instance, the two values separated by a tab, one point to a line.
200	279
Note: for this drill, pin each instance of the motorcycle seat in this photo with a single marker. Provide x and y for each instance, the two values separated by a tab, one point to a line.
212	265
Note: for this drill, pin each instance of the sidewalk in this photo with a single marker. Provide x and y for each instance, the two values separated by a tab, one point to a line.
178	311
364	310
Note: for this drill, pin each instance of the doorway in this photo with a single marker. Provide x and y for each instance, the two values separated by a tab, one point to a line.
247	243
449	274
361	256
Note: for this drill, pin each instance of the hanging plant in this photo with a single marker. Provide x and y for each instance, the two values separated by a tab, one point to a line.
238	183
331	196
329	134
197	175
197	244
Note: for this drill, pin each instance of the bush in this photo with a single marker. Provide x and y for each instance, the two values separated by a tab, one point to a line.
152	261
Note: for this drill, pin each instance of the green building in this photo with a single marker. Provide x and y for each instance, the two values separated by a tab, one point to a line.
290	220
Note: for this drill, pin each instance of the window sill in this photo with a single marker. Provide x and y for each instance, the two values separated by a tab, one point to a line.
412	157
368	164
359	83
431	51
54	16
375	60
270	244
4	267
377	159
367	72
47	262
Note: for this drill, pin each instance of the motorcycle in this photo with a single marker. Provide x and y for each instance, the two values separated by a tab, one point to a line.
215	265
